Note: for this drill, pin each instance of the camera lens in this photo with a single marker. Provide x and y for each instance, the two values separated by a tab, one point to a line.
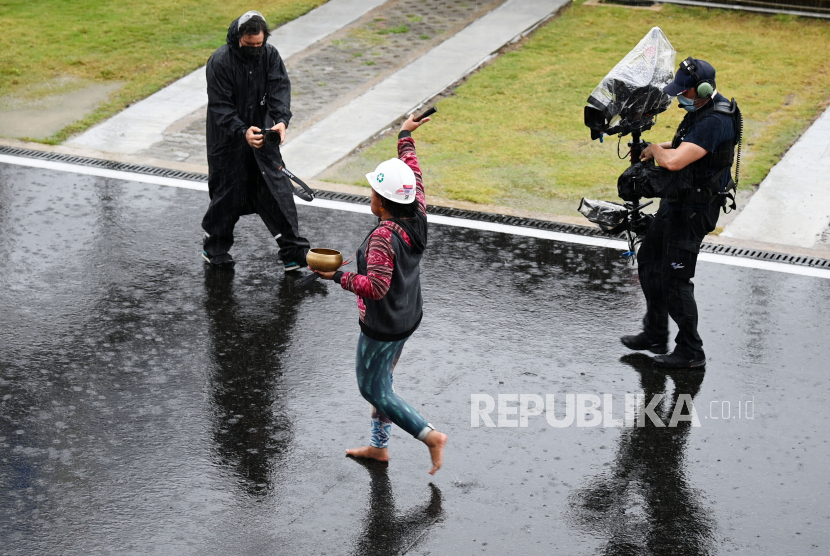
272	137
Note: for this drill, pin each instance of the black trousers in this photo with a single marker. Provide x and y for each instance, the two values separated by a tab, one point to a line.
229	202
666	264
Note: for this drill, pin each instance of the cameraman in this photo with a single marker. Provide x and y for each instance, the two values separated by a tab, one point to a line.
703	151
248	87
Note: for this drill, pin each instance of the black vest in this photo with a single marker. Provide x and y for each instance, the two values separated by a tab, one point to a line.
707	176
397	314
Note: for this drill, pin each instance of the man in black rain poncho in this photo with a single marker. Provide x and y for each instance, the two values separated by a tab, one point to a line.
248	89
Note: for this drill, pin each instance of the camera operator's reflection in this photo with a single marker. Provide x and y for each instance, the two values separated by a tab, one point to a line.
252	430
384	530
645	505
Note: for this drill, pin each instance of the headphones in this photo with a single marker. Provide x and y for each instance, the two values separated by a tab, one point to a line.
704	87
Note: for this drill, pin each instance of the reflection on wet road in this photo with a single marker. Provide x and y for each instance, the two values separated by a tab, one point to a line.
645	503
252	429
385	531
151	405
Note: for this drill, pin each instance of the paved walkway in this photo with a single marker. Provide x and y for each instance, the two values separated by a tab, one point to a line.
143	124
402	51
792	205
344	65
344	130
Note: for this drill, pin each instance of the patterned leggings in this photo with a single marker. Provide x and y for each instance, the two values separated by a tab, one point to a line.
375	362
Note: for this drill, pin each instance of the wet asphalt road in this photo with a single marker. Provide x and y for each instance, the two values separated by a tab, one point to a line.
149	405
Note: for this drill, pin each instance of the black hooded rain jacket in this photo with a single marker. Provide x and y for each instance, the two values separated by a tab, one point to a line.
244	93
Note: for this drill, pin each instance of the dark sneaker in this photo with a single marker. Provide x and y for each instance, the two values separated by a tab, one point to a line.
292	266
673	361
221	261
642	342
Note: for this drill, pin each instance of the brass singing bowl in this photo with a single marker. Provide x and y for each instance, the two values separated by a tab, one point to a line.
325	260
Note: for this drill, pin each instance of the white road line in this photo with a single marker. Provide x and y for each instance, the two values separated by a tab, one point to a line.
101	172
764	265
435	219
336	205
528	232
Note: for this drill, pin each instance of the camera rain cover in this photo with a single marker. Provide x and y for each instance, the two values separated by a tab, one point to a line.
609	216
633	90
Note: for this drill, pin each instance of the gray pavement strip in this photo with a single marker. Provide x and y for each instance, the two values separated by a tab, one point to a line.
143	124
340	133
43	117
362	55
792	204
346	64
447	215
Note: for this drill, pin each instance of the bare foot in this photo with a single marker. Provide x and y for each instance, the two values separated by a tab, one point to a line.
370	452
436	442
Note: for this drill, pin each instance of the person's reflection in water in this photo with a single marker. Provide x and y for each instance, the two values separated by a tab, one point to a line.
252	430
645	505
385	531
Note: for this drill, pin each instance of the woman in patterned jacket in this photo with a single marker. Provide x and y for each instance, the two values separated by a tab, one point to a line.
388	288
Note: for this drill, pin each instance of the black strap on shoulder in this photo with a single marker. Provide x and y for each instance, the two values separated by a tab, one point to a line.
732	110
306	194
726	107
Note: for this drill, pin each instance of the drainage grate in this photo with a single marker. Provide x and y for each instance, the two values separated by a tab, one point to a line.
764	255
106	164
438	210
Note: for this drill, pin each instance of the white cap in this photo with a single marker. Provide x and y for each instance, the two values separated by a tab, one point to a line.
248	15
393	180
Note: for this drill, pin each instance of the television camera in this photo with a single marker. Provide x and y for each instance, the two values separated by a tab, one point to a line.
625	102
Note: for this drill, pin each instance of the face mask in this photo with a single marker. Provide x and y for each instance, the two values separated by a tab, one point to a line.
250	52
686	103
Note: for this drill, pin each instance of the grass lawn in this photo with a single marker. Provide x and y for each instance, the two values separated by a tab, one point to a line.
50	47
513	133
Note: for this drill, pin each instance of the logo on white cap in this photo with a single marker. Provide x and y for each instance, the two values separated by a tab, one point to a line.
393	180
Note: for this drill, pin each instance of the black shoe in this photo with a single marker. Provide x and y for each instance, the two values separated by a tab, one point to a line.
221	261
642	342
674	361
